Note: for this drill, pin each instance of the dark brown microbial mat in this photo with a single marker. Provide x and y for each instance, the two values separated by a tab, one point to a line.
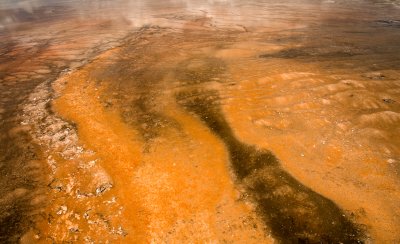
186	121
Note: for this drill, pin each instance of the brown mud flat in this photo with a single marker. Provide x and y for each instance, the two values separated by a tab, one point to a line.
206	133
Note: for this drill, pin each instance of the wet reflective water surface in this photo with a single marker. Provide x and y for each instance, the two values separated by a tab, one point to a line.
187	121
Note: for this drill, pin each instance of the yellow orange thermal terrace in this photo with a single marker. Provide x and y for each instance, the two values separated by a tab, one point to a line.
187	122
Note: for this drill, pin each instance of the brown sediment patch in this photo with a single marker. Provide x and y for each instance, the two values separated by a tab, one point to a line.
21	195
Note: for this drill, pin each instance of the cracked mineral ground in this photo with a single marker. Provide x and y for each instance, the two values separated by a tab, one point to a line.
184	121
